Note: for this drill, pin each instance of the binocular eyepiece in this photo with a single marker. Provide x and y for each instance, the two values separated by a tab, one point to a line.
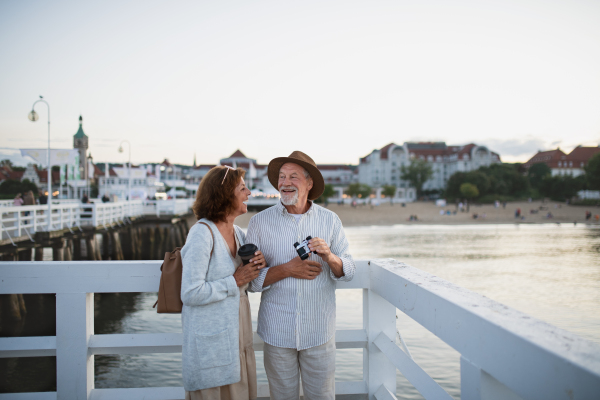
302	248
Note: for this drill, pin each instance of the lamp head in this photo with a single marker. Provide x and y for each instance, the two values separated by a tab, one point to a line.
120	149
33	116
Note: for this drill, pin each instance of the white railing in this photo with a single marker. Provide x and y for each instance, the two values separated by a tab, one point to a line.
505	354
168	207
64	201
105	214
6	203
19	221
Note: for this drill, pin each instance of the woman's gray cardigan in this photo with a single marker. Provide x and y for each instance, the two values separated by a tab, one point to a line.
210	315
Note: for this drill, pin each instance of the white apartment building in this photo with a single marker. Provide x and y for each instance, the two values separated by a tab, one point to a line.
382	167
116	184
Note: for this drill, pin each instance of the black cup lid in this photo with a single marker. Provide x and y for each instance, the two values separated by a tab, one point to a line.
247	250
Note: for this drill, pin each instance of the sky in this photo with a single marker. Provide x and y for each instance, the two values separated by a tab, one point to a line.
334	79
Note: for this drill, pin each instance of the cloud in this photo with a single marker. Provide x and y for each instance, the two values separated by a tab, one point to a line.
14	155
517	147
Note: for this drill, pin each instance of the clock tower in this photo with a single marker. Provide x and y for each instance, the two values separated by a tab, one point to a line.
80	142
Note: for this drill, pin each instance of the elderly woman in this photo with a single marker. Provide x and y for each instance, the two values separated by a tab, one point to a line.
218	358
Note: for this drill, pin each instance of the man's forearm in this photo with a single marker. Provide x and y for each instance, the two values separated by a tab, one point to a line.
336	265
275	274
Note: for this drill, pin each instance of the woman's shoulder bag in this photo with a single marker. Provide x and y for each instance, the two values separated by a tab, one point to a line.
169	290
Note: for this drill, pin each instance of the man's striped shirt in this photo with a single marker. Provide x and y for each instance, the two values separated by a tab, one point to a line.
297	313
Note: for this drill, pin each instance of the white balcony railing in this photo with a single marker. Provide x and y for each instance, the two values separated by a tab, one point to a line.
167	207
17	221
104	214
505	354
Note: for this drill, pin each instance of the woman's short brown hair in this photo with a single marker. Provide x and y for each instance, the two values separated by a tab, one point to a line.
215	198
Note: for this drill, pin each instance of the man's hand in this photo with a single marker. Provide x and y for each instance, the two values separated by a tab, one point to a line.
321	247
303	269
323	251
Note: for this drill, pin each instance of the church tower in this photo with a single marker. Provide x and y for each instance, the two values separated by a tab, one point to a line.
80	142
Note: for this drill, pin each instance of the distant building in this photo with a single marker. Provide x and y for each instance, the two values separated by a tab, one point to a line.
31	173
564	164
382	166
115	183
339	175
80	142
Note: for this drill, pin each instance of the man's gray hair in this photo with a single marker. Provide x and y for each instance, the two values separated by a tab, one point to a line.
306	174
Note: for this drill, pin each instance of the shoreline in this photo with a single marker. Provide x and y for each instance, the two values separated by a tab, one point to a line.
532	213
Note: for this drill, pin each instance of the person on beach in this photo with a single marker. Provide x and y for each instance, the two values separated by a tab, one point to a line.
296	318
218	358
28	200
18	200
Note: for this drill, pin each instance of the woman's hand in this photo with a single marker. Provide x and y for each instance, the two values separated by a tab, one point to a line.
245	273
259	260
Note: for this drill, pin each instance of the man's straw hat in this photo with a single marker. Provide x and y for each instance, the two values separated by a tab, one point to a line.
298	157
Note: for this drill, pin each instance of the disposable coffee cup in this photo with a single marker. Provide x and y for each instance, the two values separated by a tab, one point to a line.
246	252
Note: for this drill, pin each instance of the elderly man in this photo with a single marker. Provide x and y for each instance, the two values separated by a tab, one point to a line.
296	318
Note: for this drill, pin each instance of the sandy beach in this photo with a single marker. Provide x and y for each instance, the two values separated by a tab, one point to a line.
428	213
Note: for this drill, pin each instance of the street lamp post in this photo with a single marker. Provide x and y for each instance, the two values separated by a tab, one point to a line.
128	174
33	116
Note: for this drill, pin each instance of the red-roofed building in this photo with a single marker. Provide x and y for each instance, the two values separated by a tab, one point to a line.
564	164
382	166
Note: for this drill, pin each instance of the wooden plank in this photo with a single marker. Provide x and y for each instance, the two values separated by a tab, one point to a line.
384	393
33	346
351	339
29	396
381	317
74	326
150	393
102	277
83	276
410	369
136	343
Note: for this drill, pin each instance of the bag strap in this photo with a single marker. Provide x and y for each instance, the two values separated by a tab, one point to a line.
213	239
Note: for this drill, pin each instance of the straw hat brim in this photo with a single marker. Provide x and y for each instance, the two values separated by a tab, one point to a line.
315	174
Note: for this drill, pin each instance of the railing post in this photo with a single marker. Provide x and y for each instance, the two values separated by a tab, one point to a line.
378	316
18	224
476	384
74	327
94	214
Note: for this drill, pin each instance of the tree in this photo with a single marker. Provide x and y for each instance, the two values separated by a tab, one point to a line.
6	163
496	179
10	187
328	192
469	191
358	190
417	173
536	173
389	191
561	187
592	172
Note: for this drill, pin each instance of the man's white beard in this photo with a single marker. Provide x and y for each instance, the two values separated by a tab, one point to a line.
287	199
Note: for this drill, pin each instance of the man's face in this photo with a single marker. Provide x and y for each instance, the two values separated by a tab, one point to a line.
293	185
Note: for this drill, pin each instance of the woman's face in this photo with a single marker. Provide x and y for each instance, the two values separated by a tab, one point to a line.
241	194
